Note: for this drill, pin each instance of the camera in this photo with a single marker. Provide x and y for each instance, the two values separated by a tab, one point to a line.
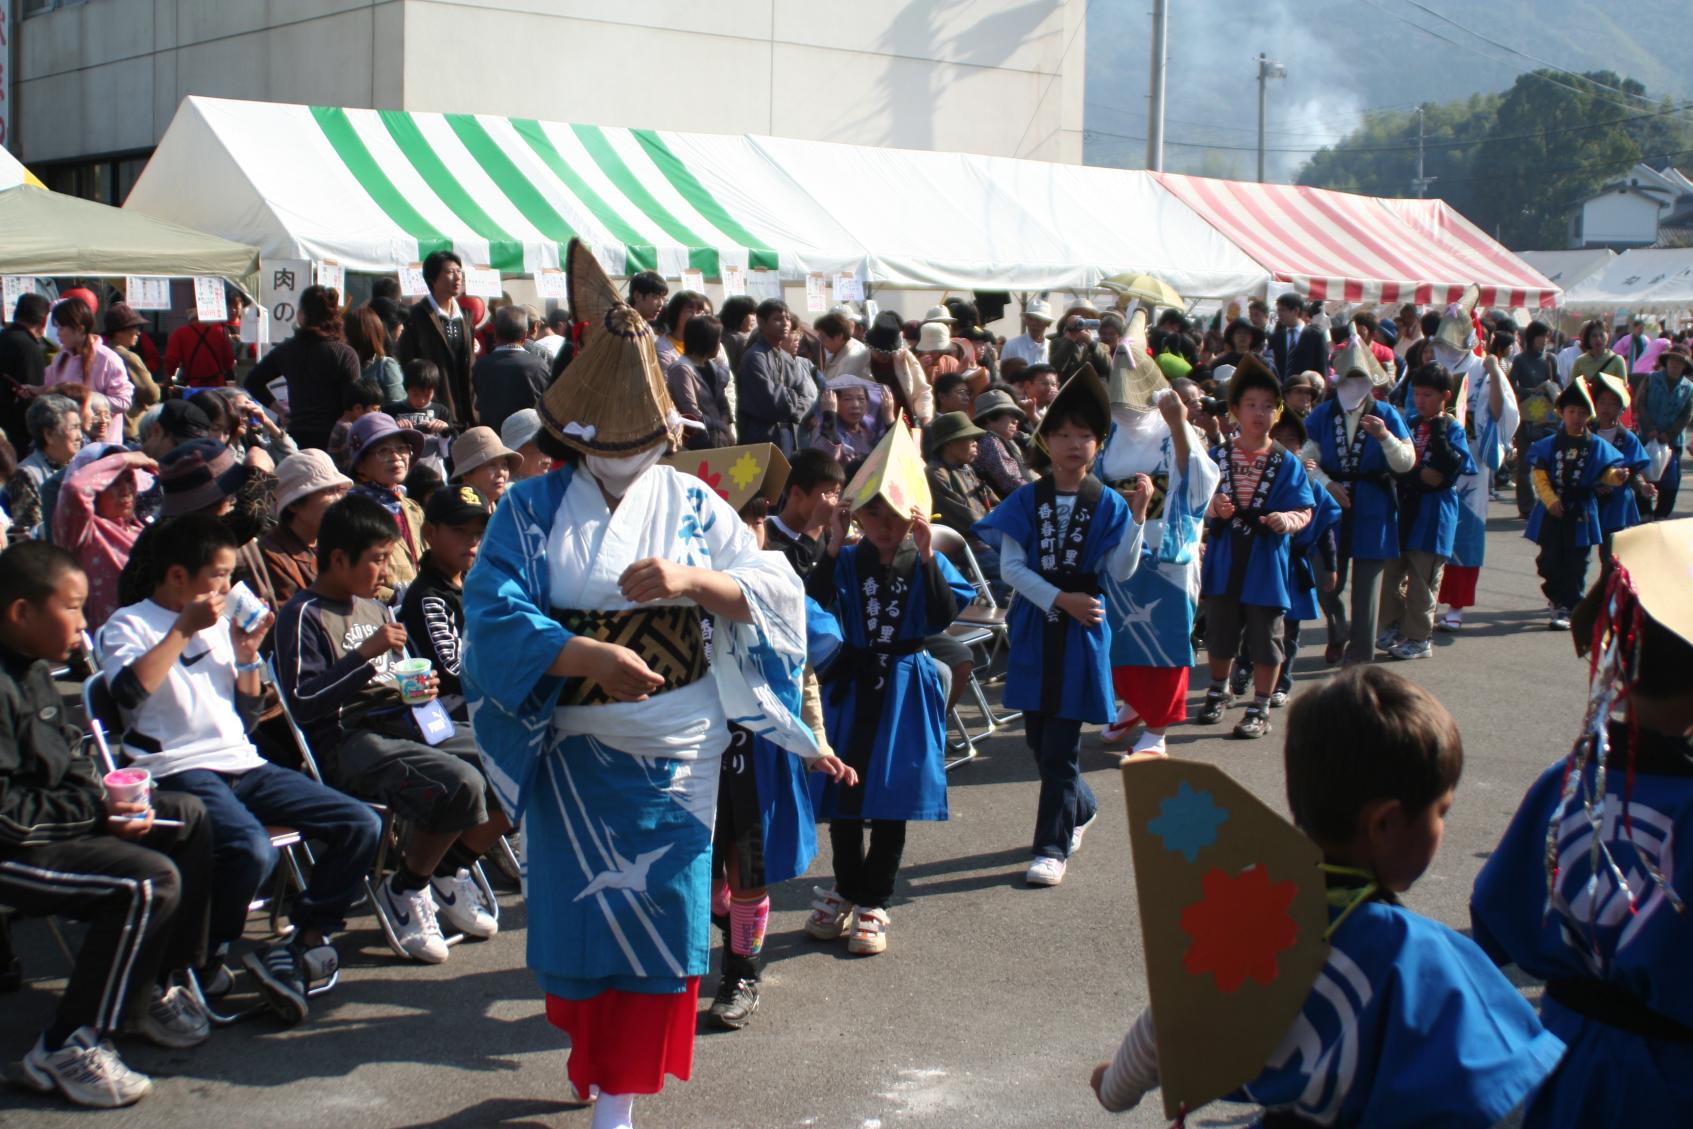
1086	323
1214	406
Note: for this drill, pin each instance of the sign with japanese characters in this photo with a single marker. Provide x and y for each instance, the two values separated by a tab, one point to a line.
281	282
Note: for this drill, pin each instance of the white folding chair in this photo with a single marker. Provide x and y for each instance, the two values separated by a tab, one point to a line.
981	626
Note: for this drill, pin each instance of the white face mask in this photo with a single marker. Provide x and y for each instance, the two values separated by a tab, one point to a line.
617	475
1353	391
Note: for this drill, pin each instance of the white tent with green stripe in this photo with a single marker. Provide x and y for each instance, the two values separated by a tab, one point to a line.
376	189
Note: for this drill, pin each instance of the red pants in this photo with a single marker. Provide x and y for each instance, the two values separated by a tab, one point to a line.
626	1042
1158	694
1457	585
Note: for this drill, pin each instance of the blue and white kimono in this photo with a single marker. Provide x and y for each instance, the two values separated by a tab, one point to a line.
1618	508
1057	666
1152	613
617	799
1305	545
1408	1025
883	703
1617	979
1428	516
1260	576
1575	464
1370	530
1490	444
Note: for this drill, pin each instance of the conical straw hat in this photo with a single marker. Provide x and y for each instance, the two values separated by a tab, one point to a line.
1357	357
1456	329
1135	376
611	400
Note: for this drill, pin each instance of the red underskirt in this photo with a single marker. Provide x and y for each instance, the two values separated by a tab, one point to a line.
1158	694
626	1042
1457	585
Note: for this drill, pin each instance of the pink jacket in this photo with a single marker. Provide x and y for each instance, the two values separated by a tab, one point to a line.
110	378
101	544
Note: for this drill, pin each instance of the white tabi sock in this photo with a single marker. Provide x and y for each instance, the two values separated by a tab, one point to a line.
614	1111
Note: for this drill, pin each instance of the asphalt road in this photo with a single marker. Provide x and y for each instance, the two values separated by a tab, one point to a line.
990	1007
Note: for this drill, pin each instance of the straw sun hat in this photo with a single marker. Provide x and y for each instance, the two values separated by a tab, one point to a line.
611	401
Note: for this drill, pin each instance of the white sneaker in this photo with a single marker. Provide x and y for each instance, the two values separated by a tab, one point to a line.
175	1019
1046	872
869	934
459	900
85	1070
1080	831
830	915
412	917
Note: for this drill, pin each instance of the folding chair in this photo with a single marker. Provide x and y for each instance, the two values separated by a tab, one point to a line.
105	726
389	835
980	626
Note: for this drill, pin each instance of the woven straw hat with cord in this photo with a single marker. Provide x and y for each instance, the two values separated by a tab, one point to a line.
1136	378
611	400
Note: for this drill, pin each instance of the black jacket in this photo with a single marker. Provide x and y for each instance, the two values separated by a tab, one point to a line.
424	337
775	391
317	369
22	359
49	791
1310	351
507	381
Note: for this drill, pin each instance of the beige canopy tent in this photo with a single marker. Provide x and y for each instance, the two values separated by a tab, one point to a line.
48	234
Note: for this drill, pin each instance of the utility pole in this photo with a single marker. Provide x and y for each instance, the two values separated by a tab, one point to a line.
1266	71
1160	64
1421	183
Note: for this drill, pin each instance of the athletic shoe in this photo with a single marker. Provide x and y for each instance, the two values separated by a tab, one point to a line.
1046	872
1389	639
215	979
1080	831
412	917
276	969
737	999
830	915
1413	649
1120	729
1239	678
319	962
869	934
1560	620
1451	621
1255	723
459	900
85	1070
1278	699
175	1019
1216	701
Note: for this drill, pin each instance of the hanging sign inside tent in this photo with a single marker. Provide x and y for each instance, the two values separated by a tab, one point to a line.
411	281
693	280
209	304
734	280
15	286
816	299
849	287
764	284
332	275
147	293
482	281
281	282
549	283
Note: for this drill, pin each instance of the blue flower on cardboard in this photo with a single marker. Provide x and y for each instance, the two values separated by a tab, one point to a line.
1187	821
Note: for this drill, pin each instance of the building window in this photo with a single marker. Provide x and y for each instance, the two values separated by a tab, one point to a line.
37	7
106	180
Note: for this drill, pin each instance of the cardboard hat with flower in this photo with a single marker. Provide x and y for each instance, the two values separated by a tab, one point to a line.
736	474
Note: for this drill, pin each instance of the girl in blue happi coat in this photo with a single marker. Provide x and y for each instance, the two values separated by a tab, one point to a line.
1607	926
1359	443
1568	467
884	704
1057	538
1619	508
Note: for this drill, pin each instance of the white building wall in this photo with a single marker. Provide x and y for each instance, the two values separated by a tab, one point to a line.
1619	217
989	76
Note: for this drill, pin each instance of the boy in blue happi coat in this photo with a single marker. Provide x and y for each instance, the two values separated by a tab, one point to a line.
1607	926
1568	467
1428	517
884	706
1056	538
1619	507
1408	1023
1263	498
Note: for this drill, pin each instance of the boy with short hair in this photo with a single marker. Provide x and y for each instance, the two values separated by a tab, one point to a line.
420	409
1056	538
187	682
358	400
1263	498
1428	517
433	611
798	529
1567	468
1408	1022
68	847
335	647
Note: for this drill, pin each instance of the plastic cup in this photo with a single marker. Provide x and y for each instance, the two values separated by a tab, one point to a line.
244	609
129	785
409	675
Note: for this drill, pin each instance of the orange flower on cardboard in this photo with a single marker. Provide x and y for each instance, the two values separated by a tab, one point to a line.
1239	927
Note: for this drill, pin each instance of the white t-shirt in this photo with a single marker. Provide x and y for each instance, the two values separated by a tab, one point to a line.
192	713
1024	347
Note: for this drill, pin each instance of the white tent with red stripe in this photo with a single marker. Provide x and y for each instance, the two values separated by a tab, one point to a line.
1362	249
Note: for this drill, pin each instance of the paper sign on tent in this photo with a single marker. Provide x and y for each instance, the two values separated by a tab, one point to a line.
1233	910
764	284
693	280
209	304
849	287
146	293
734	280
14	286
482	281
331	274
894	470
549	283
816	300
411	281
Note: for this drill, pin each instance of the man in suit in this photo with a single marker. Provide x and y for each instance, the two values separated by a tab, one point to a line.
1295	346
437	329
511	377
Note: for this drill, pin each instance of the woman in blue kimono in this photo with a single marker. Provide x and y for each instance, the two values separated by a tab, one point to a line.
599	720
1607	928
1618	507
1568	468
884	708
1359	443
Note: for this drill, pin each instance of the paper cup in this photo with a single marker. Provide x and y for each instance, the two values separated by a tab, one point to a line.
129	785
409	675
244	609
